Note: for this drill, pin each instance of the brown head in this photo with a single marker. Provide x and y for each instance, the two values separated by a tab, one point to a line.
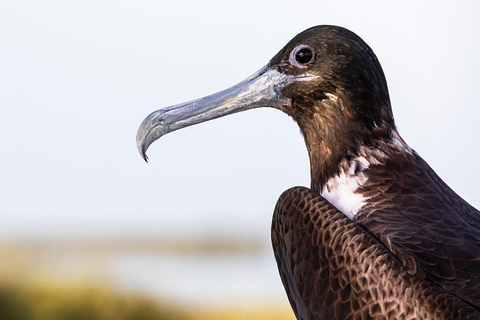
326	78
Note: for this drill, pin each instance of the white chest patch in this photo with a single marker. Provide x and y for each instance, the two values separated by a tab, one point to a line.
341	189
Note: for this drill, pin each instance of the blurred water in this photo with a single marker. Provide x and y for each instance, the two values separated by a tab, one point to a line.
202	279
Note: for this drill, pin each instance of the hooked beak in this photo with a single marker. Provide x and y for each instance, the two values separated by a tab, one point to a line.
262	89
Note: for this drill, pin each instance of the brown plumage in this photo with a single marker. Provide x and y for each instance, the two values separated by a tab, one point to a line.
379	235
333	269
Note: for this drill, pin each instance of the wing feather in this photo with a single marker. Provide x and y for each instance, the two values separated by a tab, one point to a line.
333	269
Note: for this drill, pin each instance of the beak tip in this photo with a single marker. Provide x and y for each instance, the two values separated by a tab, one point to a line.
148	133
142	148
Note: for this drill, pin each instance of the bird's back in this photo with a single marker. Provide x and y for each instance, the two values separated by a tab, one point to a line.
432	230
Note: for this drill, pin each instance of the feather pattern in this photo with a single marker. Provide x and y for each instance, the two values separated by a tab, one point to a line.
333	269
419	218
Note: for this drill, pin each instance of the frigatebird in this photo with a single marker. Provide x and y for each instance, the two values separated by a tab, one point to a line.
378	235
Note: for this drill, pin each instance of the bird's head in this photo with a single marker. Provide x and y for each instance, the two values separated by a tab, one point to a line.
326	78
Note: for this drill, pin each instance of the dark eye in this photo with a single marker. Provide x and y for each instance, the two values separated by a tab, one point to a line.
302	55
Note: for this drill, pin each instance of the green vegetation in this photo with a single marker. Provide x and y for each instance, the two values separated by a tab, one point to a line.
80	301
42	301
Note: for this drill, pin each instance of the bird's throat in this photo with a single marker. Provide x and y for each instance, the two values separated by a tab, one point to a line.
344	189
341	177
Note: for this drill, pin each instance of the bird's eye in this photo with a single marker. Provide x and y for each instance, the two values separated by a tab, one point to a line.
302	55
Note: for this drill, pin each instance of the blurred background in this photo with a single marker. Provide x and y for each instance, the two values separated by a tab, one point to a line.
89	231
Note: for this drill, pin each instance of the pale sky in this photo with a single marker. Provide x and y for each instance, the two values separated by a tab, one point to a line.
78	77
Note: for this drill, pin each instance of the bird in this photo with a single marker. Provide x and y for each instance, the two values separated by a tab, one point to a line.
378	234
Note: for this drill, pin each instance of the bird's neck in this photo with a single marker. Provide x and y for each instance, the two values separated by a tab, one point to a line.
341	180
339	129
